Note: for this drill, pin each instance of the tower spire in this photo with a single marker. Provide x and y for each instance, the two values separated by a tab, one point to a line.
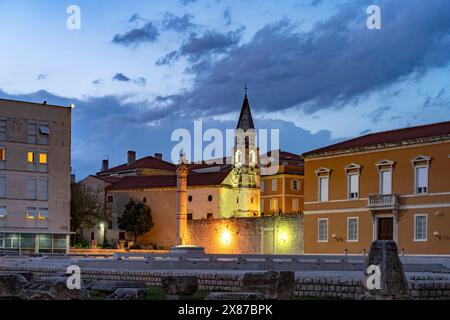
245	118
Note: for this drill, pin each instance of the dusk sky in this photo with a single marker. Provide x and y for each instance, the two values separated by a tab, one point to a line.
137	70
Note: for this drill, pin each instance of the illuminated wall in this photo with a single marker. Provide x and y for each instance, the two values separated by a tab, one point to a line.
263	235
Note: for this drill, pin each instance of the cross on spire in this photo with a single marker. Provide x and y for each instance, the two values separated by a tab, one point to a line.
245	88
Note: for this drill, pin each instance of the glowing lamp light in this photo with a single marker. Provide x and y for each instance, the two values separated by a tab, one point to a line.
225	237
283	237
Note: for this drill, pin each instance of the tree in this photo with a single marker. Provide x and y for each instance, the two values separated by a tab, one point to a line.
87	208
136	218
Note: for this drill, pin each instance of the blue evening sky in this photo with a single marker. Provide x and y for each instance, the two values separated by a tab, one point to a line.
139	69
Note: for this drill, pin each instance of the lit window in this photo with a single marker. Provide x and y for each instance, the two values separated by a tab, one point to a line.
352	229
31	213
43	158
322	230
2	154
274	204
30	157
43	213
353	186
420	227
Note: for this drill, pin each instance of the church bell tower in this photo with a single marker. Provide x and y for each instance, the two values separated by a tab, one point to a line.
246	173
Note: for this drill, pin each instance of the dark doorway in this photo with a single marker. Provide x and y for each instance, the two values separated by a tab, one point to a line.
385	228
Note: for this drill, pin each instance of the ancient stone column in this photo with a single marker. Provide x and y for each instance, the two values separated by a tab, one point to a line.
182	173
384	274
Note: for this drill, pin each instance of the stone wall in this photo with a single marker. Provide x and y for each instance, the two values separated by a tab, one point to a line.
267	235
420	288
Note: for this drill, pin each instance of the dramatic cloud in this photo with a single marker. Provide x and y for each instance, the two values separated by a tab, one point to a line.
338	61
198	47
121	77
140	81
95	122
176	23
147	33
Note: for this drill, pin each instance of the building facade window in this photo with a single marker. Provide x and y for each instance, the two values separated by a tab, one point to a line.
3	214
43	162
421	180
262	185
44	133
323	179
322	226
323	188
3	123
295	205
2	186
31	133
385	168
189	216
31	188
261	205
353	185
386	182
110	199
31	161
274	184
190	198
295	185
352	229
420	227
32	213
2	158
274	204
42	190
43	213
209	215
210	198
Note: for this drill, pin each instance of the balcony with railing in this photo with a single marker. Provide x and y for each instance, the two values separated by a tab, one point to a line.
382	201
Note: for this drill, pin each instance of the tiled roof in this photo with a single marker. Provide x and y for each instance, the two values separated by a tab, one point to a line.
388	137
143	163
164	181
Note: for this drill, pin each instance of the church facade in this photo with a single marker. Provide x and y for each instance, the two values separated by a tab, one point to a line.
230	189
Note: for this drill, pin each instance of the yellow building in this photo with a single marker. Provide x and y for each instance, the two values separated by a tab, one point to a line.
386	185
282	192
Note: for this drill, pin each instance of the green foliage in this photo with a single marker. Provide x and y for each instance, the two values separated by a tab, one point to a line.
136	219
79	241
87	208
